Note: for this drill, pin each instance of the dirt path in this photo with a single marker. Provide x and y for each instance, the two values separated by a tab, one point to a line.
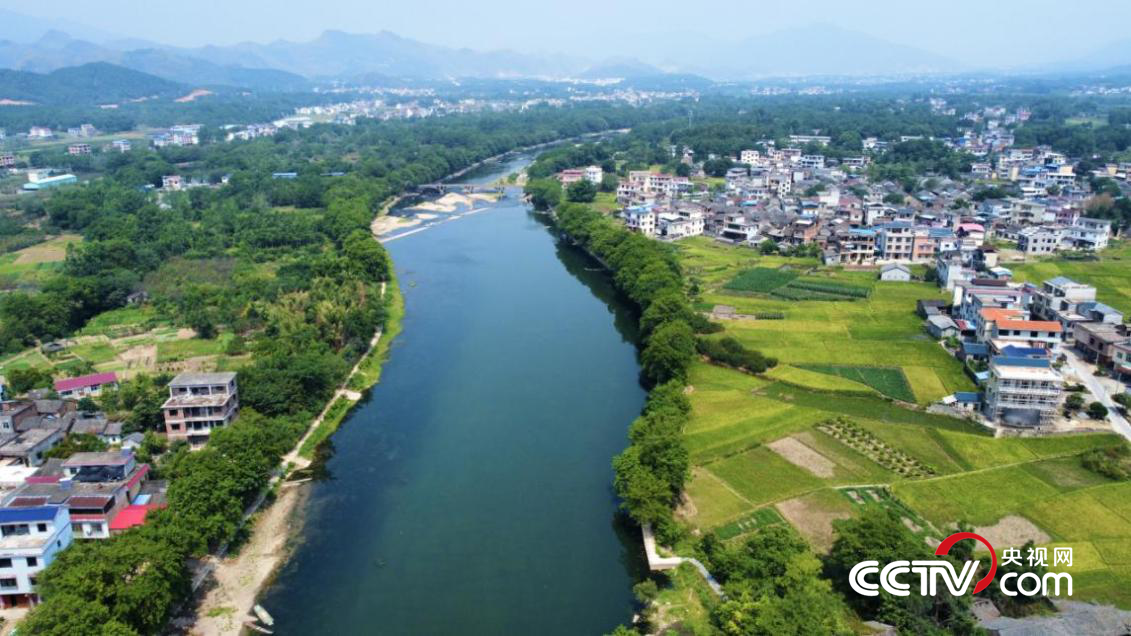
232	584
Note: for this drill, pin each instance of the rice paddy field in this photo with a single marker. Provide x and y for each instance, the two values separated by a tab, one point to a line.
1110	274
765	449
869	333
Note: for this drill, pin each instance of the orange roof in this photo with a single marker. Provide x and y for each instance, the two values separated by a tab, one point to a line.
1030	325
994	313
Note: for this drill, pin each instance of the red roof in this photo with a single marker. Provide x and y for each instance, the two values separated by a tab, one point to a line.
95	379
131	516
1030	325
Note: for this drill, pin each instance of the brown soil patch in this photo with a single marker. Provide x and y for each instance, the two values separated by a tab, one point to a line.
793	451
1013	530
144	356
815	524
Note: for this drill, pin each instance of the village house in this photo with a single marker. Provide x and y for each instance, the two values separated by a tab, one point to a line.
78	149
95	487
897	272
86	385
30	538
199	403
1022	392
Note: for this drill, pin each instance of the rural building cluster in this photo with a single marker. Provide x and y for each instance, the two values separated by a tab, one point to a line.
48	502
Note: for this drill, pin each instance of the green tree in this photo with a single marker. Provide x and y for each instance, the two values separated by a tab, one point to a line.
669	352
544	193
581	191
609	182
1097	411
23	380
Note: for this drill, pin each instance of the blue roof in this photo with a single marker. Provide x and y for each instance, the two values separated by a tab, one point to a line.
896	225
1100	308
1061	280
1011	351
1009	361
24	515
968	397
975	348
940	232
862	231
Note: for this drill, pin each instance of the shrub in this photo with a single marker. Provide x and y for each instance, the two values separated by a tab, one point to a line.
731	353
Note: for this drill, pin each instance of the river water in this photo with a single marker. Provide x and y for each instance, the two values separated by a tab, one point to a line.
470	493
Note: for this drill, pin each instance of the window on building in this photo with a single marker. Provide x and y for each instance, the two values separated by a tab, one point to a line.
32	562
41	527
5	563
8	583
16	529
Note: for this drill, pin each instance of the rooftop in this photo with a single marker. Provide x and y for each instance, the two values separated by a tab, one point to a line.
1030	325
96	379
107	458
194	379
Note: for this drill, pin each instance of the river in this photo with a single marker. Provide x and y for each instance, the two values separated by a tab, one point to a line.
470	492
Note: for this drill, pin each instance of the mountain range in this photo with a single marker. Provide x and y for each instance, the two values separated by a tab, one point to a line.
43	46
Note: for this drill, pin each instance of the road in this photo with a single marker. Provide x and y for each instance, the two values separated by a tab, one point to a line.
1083	371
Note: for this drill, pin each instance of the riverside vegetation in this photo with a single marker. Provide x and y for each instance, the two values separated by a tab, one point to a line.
285	270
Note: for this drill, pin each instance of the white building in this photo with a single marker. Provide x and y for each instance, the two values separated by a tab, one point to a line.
1022	392
1089	234
1040	240
594	174
30	538
640	219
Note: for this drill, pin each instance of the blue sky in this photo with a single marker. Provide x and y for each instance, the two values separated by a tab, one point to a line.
998	33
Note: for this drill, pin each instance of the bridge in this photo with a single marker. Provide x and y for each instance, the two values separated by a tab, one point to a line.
466	188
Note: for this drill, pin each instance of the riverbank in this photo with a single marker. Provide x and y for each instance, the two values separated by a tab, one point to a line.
236	582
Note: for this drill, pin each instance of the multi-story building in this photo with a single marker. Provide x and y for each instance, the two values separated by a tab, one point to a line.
7	160
594	174
122	145
640	219
1088	234
1121	360
1022	392
738	229
78	149
1097	341
1061	299
895	241
30	538
199	403
1040	239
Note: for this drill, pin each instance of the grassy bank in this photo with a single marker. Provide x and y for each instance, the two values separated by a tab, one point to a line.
333	418
368	370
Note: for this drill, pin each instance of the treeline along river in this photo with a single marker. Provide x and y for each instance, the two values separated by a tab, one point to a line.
470	492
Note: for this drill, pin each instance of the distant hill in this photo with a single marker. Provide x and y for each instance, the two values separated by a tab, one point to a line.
338	54
621	68
56	50
95	83
817	49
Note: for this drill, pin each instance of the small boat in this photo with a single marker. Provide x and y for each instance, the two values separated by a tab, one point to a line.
263	615
252	625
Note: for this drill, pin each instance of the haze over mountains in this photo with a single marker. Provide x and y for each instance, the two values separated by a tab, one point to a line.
41	46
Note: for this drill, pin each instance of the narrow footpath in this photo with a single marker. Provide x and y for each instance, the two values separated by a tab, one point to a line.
236	582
